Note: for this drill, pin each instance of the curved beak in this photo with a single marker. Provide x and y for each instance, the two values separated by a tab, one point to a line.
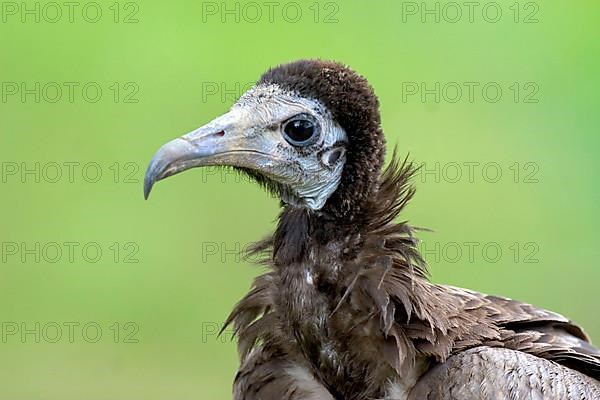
227	140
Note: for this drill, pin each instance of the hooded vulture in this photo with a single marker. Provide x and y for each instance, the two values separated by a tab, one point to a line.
346	310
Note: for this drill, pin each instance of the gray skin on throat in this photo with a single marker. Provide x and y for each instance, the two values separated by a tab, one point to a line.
310	174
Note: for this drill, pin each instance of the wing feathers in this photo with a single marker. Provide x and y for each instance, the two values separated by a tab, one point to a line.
501	374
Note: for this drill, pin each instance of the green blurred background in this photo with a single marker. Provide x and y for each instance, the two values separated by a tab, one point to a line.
183	63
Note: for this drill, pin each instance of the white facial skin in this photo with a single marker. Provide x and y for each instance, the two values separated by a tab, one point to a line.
312	172
252	135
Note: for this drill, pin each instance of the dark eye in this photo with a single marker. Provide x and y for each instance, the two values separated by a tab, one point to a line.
300	131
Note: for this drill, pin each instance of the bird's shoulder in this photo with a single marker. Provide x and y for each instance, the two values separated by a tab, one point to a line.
443	321
528	329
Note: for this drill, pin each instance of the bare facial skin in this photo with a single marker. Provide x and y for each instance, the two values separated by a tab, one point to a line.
251	135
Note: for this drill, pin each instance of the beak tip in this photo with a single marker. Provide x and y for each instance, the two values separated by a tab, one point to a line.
149	181
160	166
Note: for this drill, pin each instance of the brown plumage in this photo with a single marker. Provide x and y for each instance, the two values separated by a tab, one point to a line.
346	310
381	318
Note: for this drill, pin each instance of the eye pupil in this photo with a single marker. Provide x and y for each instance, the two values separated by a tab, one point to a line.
299	131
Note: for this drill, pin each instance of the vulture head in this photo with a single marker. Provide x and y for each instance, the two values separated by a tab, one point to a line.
309	131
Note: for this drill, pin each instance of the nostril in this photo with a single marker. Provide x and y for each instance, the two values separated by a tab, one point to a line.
220	133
